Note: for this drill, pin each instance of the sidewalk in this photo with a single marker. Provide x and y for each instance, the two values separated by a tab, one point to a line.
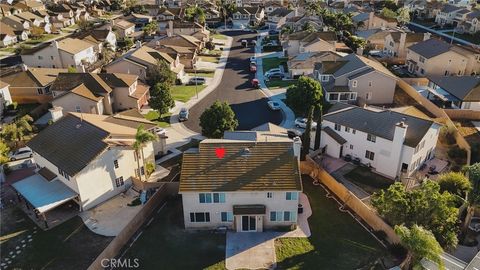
277	95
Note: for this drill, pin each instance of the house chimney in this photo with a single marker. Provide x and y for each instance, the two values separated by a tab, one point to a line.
427	36
24	67
56	113
403	39
138	44
360	51
297	146
55	44
170	29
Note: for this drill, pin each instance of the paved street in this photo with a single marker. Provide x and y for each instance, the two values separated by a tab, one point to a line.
249	105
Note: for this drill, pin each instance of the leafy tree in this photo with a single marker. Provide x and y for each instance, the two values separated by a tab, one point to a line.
403	15
161	98
420	243
107	52
151	28
355	42
160	73
473	198
116	5
128	42
130	5
286	30
84	25
309	27
37	32
454	182
227	8
217	119
72	69
388	13
209	45
303	97
194	13
142	137
4	149
425	206
17	130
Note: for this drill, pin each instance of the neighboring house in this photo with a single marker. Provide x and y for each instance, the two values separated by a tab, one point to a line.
187	55
396	43
139	20
32	85
297	22
5	97
354	78
301	42
185	28
361	20
98	38
140	59
278	17
68	52
7	35
437	57
98	93
91	156
455	92
376	21
16	23
31	5
469	22
35	21
304	63
254	187
447	14
248	15
123	28
391	143
375	38
423	9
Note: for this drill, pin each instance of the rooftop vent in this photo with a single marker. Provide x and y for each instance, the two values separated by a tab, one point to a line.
245	152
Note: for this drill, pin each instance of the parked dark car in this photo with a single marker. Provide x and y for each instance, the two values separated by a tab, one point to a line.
292	133
278	76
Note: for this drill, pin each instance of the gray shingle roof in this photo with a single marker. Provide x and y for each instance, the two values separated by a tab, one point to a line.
70	144
430	47
381	124
465	88
339	139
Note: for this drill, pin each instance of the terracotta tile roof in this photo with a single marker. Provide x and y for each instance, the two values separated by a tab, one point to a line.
73	46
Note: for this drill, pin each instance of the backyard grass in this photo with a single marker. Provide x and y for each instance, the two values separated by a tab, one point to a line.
211	59
337	241
274	62
184	93
272	84
475	39
201	74
41	39
163	121
219	36
367	180
165	244
70	245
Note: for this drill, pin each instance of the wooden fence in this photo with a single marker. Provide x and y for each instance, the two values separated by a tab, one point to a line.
367	214
463	114
114	248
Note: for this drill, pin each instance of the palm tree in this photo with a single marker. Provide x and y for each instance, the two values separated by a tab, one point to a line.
142	137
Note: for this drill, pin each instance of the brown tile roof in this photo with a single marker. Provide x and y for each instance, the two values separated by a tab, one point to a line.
267	166
73	46
83	91
69	81
122	24
37	77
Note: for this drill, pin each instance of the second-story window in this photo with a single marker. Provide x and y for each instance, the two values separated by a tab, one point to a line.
115	163
291	196
338	127
218	197
354	83
371	138
269	195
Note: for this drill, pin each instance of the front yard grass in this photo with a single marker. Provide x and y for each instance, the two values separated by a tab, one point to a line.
274	62
272	84
368	180
70	245
184	93
201	74
163	121
165	244
337	241
219	36
211	59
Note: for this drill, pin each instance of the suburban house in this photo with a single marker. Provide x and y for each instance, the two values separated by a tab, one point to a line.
5	97
187	55
278	17
392	143
16	23
304	63
32	85
437	57
354	78
375	38
297	21
100	164
424	9
469	22
68	52
123	28
376	21
137	62
454	92
139	20
301	42
248	15
396	43
58	21
35	21
11	35
447	14
248	181
98	93
98	38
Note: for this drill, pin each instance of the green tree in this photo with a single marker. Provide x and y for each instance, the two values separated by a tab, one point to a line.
303	97
195	14
107	52
473	197
227	8
286	30
37	32
4	150
403	15
454	182
84	24
425	206
71	69
420	243
16	131
161	98
160	73
151	28
217	119
309	27
388	13
142	137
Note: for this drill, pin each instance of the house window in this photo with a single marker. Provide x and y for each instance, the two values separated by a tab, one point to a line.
354	131
289	216
370	83
421	59
368	95
40	91
333	97
200	217
205	197
351	146
324	78
142	170
276	216
40	57
115	164
291	196
119	181
218	197
338	127
269	195
78	109
354	83
227	216
347	129
371	138
369	155
422	71
51	57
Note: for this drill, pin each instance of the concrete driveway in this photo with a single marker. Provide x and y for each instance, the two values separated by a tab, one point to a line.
250	250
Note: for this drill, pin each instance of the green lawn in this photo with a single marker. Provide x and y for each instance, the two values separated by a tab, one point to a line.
274	62
337	241
184	93
219	36
367	180
272	84
70	245
201	74
211	59
154	116
475	39
8	50
165	244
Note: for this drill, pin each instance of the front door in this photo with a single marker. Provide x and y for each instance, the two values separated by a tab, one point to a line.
341	151
249	224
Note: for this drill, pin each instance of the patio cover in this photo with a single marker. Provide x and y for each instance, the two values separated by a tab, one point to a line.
44	195
249	209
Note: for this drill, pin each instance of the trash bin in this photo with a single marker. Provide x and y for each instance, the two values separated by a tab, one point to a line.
300	208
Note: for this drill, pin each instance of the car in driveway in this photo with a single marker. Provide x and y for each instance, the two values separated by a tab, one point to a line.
21	153
196	80
183	115
159	131
275	106
271	71
302	123
275	76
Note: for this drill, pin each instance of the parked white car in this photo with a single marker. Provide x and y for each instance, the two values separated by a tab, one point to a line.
21	153
275	106
302	123
273	71
253	59
159	131
197	80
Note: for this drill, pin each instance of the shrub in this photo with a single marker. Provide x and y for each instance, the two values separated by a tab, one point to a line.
12	106
448	135
457	153
398	251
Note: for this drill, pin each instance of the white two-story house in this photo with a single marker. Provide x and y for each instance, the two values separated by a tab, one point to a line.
247	182
391	143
